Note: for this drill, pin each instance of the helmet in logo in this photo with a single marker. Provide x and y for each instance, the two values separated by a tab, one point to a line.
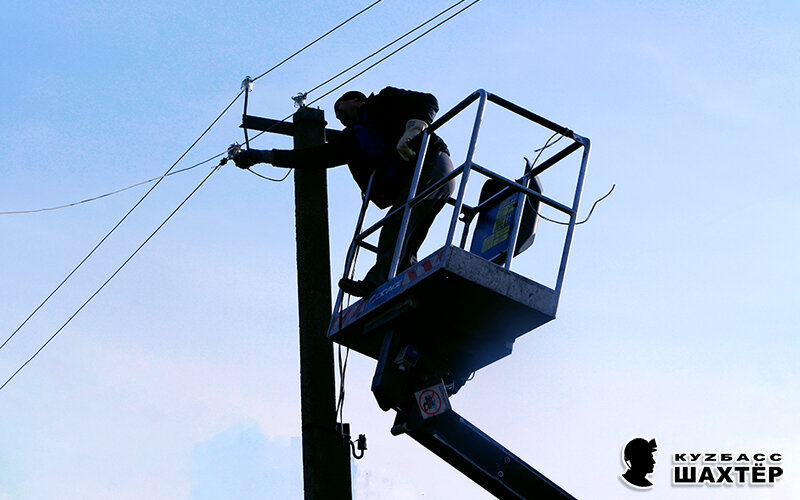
638	457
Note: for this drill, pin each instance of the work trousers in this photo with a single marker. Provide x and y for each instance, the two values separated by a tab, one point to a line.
436	167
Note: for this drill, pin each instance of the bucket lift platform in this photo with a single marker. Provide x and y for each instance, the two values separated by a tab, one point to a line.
471	310
458	310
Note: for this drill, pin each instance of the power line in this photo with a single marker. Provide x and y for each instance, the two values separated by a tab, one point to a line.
376	63
320	38
287	59
384	47
395	51
247	84
215	169
95	198
136	205
157	181
112	275
167	173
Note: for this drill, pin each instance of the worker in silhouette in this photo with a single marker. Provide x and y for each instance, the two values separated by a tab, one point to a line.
381	139
638	456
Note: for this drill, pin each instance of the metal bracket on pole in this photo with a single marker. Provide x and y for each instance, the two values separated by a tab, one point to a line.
247	86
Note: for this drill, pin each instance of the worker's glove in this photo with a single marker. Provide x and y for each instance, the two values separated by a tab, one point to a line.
249	157
413	129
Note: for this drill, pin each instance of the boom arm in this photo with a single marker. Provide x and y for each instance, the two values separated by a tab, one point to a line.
482	459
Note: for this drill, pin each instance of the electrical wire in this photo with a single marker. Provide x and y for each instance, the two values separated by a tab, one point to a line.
222	162
539	152
384	47
343	366
577	223
342	375
318	39
595	204
248	79
393	52
249	169
547	144
270	178
167	173
379	61
135	206
276	66
157	181
374	64
342	362
180	171
14	212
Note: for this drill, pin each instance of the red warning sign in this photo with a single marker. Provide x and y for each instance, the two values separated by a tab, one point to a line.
429	402
432	401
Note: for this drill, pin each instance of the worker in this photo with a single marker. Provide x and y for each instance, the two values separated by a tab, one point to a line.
382	136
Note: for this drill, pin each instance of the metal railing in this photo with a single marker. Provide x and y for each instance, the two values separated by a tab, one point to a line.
464	171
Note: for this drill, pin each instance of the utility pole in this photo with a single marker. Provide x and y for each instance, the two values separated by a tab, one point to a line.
326	454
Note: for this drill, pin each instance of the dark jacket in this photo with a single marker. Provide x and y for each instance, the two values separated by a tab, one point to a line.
370	145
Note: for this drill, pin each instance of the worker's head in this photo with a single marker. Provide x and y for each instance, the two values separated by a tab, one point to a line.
638	455
346	107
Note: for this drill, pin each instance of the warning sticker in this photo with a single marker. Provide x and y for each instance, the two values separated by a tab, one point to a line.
433	401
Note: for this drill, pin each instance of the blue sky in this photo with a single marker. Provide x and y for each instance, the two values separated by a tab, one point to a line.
678	318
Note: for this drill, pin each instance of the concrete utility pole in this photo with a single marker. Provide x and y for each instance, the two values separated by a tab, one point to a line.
326	454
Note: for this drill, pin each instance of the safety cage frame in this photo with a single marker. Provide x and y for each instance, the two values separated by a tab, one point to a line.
479	288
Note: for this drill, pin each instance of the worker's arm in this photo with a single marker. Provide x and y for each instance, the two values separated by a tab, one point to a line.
416	110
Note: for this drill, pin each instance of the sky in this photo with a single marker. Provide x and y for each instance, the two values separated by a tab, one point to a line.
180	379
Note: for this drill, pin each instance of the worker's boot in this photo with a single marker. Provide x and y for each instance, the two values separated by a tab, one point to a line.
357	288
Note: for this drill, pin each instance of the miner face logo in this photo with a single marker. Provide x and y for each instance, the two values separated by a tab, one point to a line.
638	458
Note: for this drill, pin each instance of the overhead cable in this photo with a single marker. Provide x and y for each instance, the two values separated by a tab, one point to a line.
385	47
136	205
320	38
378	62
158	181
394	51
113	274
287	59
95	198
